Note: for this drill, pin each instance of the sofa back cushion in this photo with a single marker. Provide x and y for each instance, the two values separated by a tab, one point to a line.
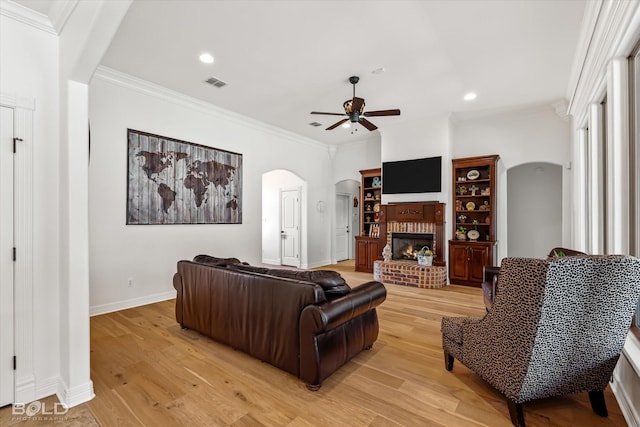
332	283
216	262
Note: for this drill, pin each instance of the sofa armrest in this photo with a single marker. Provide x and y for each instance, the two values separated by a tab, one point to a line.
177	284
332	332
490	271
319	318
490	285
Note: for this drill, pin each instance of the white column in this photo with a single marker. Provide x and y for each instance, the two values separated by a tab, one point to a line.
76	384
618	157
596	179
580	228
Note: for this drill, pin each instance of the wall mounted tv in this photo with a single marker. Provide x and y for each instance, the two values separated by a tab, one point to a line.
412	176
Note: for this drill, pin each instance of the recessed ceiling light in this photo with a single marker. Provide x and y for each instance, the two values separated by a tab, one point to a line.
470	96
206	58
346	125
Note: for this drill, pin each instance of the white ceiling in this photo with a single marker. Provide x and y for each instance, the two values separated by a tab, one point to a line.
283	59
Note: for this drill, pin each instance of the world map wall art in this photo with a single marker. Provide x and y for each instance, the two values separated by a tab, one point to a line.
177	182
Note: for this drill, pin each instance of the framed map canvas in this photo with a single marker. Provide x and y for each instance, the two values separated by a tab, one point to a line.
176	182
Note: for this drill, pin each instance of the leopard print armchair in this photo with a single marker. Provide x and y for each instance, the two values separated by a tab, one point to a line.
492	273
557	327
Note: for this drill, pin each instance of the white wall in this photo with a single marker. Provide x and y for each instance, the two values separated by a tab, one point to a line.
519	136
428	137
148	254
272	183
534	209
350	159
22	75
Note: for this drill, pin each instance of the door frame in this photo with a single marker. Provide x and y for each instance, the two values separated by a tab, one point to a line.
7	282
23	292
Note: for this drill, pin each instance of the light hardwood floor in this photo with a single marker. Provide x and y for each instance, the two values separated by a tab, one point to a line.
148	372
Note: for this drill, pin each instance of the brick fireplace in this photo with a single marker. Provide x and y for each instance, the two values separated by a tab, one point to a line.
417	224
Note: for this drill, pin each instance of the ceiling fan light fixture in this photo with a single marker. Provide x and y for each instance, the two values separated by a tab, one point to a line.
348	107
346	125
354	110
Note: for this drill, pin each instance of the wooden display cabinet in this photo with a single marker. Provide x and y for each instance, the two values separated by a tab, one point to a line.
474	219
368	248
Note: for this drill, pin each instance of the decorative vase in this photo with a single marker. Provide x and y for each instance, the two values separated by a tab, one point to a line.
425	260
386	253
461	236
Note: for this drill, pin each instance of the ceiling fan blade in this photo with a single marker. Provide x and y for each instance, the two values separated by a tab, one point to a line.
335	125
357	104
382	113
366	123
328	114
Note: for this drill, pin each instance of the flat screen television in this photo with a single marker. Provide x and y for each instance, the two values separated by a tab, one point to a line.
412	176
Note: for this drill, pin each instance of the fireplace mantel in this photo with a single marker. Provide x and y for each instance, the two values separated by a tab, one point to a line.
416	213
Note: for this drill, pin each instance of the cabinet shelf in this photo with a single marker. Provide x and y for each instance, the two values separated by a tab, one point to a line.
471	181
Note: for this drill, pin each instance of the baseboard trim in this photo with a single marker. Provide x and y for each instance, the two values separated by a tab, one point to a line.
47	387
26	389
624	385
275	261
319	264
130	303
71	397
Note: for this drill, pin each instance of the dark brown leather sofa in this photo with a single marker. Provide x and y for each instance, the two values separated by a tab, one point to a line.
289	322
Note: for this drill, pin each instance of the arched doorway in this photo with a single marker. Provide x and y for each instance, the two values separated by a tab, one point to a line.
284	229
534	209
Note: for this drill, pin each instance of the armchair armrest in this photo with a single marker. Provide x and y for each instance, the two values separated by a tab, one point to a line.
320	318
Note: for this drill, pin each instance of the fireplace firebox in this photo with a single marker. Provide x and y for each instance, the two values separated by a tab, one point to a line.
405	246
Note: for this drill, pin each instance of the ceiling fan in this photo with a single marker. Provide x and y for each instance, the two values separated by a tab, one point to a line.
354	110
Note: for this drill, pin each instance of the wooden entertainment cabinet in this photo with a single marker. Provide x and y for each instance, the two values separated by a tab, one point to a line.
474	219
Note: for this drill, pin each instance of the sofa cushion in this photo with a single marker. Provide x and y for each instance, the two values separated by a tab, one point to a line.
216	262
332	283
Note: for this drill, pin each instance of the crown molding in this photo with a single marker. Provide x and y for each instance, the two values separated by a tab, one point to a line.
60	12
505	114
610	30
562	109
27	16
143	86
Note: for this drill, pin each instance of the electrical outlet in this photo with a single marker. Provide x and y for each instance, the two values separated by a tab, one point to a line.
130	282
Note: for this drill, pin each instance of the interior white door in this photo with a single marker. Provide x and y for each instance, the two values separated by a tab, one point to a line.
6	257
342	227
290	227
